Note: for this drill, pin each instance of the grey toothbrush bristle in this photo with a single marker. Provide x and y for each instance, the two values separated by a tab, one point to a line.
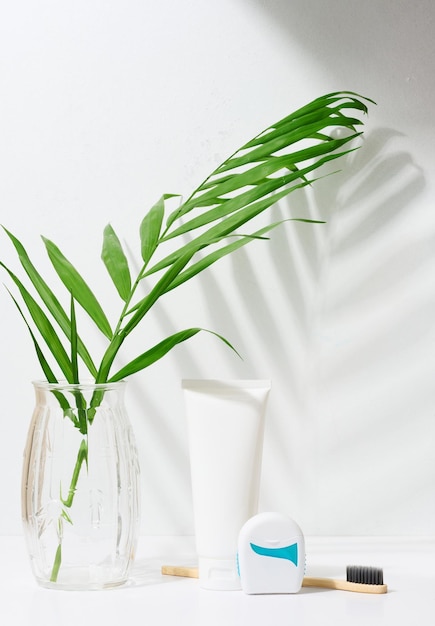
364	575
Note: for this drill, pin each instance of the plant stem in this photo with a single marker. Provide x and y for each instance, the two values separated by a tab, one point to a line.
118	335
81	457
56	564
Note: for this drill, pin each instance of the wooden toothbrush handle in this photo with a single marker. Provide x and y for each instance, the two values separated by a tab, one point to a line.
179	570
343	585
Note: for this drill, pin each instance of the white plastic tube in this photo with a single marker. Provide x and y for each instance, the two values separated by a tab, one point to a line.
225	422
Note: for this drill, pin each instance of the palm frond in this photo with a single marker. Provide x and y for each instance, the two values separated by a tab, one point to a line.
213	222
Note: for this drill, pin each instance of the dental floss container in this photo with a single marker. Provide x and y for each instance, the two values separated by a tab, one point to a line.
271	554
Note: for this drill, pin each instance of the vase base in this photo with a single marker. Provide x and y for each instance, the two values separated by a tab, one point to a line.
82	579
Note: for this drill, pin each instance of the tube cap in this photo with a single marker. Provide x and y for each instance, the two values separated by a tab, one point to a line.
218	574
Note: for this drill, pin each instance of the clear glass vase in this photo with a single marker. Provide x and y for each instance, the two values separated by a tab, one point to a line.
80	495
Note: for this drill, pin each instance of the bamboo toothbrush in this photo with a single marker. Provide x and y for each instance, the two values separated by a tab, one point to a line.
359	578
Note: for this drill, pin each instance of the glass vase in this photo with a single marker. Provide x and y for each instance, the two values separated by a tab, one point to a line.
80	495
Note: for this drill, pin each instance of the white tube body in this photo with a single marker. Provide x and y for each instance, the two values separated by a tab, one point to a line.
225	424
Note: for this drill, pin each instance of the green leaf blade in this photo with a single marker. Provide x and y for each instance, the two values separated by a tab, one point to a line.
78	287
160	350
44	327
151	227
220	253
50	300
154	354
73	341
243	214
48	372
116	262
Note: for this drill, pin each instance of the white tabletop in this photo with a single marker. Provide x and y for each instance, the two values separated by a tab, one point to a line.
152	599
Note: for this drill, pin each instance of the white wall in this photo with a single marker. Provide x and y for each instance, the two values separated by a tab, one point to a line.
105	105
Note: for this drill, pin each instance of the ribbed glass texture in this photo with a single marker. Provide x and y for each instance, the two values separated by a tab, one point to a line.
80	495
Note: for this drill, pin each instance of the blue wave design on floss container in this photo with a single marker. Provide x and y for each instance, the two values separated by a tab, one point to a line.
290	553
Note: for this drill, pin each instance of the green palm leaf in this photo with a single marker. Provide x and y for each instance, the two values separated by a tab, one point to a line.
74	361
48	372
151	227
116	262
226	227
49	299
77	287
307	123
200	232
218	254
44	327
159	351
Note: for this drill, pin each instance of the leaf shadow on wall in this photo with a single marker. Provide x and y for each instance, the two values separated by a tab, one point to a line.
316	344
357	301
163	455
340	285
373	382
